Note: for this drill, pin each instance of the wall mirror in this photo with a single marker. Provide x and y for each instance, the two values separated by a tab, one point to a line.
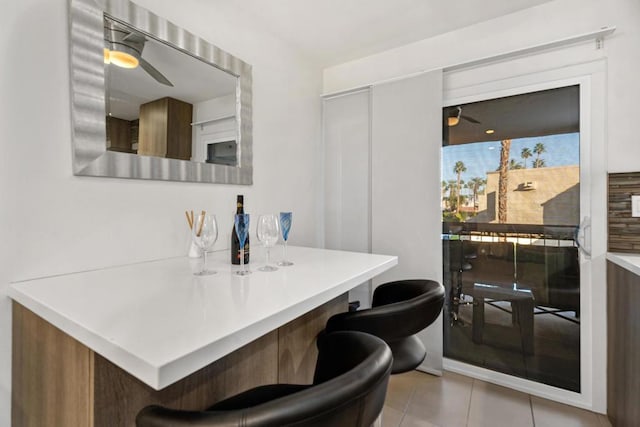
152	101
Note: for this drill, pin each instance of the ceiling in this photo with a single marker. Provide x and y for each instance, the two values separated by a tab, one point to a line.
194	81
335	31
548	112
326	32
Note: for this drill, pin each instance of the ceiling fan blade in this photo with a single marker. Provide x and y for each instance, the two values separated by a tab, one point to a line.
154	73
134	37
469	119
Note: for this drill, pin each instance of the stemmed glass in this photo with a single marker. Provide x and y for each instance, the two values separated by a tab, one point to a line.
241	225
285	226
268	232
204	234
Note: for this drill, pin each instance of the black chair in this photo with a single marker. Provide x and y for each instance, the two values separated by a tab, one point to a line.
457	262
349	388
399	310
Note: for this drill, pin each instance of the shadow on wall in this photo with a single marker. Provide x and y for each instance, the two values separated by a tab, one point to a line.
561	209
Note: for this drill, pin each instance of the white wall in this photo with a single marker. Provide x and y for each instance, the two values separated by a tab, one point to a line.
52	222
550	21
221	109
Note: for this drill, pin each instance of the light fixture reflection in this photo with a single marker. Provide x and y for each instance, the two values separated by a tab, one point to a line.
489	131
121	59
453	121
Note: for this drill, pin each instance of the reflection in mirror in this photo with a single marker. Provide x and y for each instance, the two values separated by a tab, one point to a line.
150	100
163	102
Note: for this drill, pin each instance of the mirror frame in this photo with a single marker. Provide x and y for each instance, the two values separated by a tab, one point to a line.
88	115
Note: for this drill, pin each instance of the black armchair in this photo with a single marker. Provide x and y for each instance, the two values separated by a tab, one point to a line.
399	310
349	388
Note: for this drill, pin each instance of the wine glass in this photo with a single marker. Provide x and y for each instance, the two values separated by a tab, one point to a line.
204	234
268	232
241	225
285	226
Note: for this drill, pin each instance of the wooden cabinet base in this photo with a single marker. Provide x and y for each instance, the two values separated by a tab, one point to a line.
58	381
623	346
52	381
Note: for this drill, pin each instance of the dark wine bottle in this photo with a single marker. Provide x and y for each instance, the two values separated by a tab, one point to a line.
235	242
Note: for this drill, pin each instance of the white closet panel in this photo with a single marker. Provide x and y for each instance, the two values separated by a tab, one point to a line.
346	125
406	217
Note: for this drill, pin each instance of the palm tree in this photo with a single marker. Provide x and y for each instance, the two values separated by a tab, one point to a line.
460	199
475	184
538	149
451	188
463	200
458	168
503	182
538	163
525	154
514	165
468	185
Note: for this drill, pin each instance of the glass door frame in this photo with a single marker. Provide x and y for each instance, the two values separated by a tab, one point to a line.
591	79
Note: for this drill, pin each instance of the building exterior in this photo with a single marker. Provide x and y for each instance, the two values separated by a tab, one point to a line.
549	196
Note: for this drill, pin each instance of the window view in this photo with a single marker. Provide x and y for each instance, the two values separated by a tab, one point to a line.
510	207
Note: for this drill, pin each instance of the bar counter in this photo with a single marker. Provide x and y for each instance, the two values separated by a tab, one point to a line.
154	328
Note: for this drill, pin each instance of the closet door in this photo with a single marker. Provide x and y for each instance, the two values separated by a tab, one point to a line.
346	128
405	203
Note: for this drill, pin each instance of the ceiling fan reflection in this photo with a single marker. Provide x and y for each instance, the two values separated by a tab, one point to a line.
455	115
123	47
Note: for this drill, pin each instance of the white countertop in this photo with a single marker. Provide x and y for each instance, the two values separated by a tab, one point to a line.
629	261
160	323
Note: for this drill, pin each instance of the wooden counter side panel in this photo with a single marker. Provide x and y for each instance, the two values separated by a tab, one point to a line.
297	351
120	396
52	375
623	346
59	382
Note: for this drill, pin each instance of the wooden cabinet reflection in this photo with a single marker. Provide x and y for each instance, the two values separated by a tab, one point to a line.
163	130
121	134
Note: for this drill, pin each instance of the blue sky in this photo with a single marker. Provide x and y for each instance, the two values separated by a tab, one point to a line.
483	157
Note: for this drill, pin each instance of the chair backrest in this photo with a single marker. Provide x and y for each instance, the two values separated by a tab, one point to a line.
349	389
400	309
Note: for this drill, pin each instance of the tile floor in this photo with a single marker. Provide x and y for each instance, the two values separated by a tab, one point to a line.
416	399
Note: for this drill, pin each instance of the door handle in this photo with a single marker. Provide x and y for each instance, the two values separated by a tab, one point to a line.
580	236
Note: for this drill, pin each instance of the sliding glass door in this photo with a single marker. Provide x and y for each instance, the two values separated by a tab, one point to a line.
510	202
